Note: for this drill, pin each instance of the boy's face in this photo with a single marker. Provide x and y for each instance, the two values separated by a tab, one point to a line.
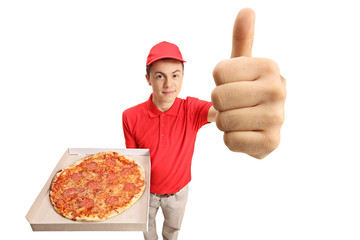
165	79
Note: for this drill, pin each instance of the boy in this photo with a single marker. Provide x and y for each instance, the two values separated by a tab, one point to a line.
247	105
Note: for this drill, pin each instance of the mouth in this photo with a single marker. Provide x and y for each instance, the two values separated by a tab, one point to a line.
168	93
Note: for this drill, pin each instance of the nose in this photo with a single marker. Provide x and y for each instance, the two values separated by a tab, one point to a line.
167	83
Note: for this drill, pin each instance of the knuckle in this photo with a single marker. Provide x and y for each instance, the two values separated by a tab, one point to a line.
222	122
275	117
278	90
259	147
265	146
270	66
217	99
262	148
218	72
229	142
272	142
278	94
274	91
283	92
278	119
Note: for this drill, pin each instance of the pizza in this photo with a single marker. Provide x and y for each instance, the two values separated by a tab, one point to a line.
97	187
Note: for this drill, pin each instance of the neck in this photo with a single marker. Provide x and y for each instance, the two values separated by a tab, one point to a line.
162	106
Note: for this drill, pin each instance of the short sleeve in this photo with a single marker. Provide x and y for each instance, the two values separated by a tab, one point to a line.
129	138
198	109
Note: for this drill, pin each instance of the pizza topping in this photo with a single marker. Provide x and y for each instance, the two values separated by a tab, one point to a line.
76	176
91	165
70	191
126	171
93	185
110	162
112	200
112	177
87	202
129	187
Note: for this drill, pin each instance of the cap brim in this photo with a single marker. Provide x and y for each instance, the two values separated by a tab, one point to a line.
163	57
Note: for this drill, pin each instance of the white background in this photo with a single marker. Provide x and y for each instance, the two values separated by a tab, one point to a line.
69	68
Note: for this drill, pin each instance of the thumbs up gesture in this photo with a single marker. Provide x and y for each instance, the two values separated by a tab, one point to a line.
249	95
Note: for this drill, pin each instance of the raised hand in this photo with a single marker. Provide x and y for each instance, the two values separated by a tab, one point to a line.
249	95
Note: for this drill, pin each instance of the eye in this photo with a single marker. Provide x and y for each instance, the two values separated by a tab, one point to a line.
175	75
159	76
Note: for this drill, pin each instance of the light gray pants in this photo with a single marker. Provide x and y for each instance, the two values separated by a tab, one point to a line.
173	208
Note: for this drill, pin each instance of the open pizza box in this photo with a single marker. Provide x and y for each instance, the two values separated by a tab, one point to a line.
43	217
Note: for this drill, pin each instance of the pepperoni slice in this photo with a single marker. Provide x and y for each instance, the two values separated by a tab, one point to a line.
126	171
129	187
110	162
93	185
91	165
70	191
76	176
112	177
111	200
87	202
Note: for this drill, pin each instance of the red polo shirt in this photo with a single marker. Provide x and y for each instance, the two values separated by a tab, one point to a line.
170	136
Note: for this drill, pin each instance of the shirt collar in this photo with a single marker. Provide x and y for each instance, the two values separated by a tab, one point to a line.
155	112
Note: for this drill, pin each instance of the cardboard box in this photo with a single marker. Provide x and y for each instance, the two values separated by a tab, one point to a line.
43	217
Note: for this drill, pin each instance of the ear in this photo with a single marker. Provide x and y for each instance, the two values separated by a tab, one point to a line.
148	79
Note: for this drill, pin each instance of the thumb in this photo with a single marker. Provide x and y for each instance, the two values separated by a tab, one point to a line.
243	33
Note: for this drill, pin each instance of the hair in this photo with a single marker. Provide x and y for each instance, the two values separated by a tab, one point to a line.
148	67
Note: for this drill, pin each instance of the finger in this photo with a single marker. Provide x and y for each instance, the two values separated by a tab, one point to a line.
243	69
236	95
248	93
257	144
248	119
243	33
249	142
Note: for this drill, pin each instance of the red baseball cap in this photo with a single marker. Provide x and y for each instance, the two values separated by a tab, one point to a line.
164	50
